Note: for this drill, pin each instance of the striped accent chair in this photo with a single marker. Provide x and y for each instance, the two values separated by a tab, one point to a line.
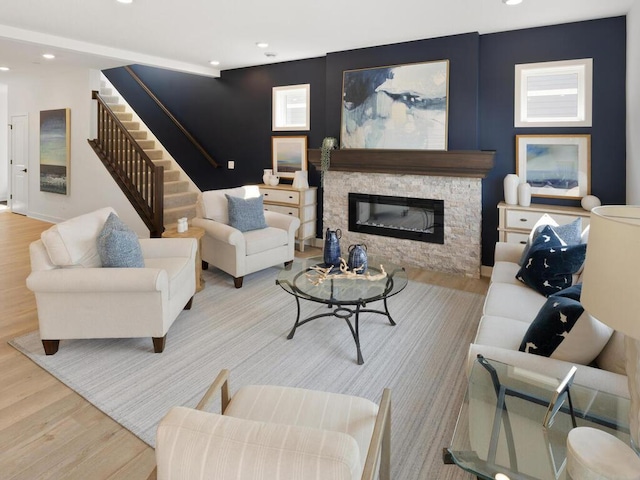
271	432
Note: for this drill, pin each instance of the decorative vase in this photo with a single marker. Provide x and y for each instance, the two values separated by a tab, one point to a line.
524	194
274	180
183	226
511	182
358	258
300	179
589	202
268	172
331	254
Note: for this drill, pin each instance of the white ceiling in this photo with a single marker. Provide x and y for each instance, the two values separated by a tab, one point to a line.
186	34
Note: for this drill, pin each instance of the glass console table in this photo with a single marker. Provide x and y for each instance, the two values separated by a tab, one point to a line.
347	297
500	434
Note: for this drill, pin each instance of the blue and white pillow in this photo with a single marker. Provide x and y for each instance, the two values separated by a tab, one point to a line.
246	214
550	264
563	330
570	234
118	245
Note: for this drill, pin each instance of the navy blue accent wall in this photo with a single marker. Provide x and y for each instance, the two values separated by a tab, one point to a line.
231	116
462	52
605	42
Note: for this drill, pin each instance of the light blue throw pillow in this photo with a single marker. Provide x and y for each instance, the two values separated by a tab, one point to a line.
118	245
570	234
246	214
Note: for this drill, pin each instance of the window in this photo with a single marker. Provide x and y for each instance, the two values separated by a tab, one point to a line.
554	94
291	107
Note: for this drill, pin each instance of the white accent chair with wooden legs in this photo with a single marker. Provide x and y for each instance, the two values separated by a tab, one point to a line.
271	433
241	252
79	298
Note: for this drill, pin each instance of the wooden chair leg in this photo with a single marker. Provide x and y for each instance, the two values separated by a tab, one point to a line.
158	344
50	346
237	281
205	265
189	304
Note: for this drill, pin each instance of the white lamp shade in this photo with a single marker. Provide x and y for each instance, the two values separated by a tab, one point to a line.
611	281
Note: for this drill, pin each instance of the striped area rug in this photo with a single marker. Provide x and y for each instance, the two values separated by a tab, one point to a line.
421	360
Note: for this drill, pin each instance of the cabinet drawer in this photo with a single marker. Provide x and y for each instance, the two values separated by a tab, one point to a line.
280	196
526	220
514	237
281	209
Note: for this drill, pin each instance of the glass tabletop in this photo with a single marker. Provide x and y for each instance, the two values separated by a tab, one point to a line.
490	440
307	278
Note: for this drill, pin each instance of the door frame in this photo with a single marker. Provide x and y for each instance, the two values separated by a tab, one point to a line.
11	161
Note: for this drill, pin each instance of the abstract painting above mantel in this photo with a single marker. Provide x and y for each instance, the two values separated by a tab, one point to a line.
55	128
396	107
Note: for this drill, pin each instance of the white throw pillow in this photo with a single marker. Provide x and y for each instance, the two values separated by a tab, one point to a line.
74	241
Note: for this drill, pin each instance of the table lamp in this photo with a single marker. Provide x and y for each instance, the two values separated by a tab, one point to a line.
611	288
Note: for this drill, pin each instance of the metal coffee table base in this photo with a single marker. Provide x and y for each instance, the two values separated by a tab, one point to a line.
346	314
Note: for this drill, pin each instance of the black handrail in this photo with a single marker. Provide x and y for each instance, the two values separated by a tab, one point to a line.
141	180
171	117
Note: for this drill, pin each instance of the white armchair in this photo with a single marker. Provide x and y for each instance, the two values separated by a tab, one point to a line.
241	253
77	298
271	432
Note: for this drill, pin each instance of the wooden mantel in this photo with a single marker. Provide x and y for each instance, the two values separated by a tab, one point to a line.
456	163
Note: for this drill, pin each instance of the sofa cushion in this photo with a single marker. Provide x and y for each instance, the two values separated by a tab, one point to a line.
613	357
500	332
550	265
257	241
570	233
563	330
73	242
118	245
246	214
518	302
505	272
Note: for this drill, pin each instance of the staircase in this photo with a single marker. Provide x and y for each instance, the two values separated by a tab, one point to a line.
179	196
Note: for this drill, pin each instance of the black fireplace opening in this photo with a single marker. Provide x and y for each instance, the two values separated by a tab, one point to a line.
420	219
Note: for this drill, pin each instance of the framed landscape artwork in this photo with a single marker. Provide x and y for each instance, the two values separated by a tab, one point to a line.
396	107
289	155
55	127
556	166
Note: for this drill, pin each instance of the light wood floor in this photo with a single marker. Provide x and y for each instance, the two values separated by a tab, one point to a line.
47	431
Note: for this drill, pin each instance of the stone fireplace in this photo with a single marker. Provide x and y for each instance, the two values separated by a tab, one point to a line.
460	192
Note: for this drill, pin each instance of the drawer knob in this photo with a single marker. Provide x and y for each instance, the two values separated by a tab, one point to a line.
522	242
290	196
523	219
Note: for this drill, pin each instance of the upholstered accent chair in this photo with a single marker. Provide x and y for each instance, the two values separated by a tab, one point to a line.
262	241
269	432
78	298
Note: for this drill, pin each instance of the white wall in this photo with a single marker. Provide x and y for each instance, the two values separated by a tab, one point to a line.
90	185
633	105
4	143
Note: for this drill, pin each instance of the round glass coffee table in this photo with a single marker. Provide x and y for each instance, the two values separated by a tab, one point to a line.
347	296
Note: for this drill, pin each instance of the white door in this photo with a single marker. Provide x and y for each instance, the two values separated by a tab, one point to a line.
19	160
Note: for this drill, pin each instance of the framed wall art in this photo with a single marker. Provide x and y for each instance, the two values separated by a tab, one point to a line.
556	166
289	155
55	128
401	107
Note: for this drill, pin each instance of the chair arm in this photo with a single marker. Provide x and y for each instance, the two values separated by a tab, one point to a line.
380	445
168	247
221	382
508	252
282	221
219	231
79	280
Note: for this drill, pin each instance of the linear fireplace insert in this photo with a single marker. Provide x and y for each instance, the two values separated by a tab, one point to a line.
418	219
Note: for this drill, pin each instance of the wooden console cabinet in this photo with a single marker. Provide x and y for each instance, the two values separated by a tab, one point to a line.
515	222
299	202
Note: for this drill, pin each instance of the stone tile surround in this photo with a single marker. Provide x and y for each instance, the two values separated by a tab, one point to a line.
462	197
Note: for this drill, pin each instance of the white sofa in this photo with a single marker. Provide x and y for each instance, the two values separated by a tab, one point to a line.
77	298
509	309
241	253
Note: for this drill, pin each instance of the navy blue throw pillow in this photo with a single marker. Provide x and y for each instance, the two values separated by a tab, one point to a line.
553	323
550	265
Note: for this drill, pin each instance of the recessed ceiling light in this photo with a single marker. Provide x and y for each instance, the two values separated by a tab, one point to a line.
125	1
511	2
262	44
48	56
214	62
4	69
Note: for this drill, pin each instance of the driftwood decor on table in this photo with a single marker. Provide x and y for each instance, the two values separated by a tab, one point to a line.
320	274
